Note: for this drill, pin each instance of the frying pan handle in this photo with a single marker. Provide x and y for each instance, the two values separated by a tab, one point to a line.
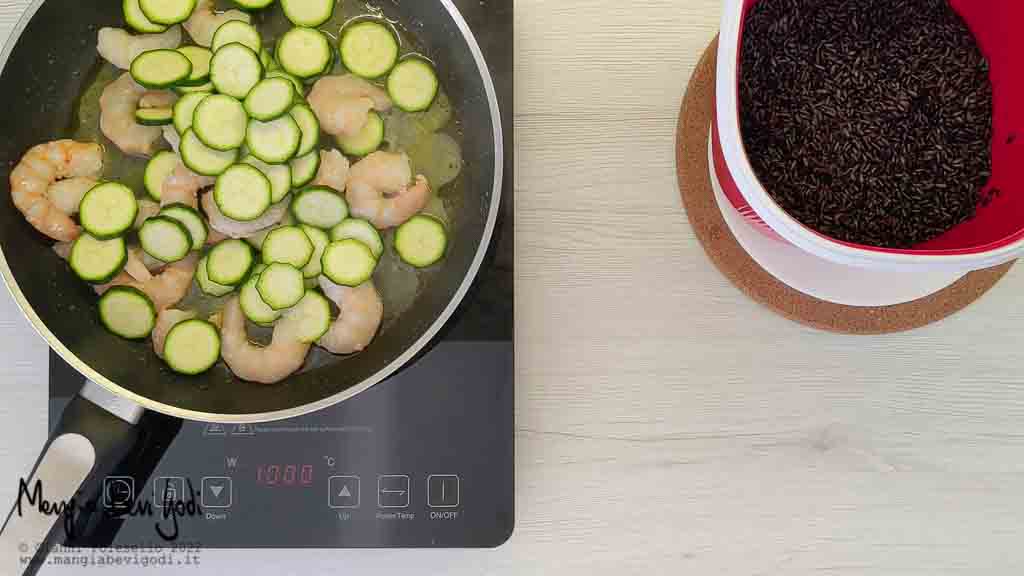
96	432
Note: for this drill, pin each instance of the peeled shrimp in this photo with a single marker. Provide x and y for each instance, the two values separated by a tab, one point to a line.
237	229
183	186
266	365
166	288
136	265
36	173
333	170
379	190
343	103
118	103
164	322
172	138
120	47
204	22
67	194
361	313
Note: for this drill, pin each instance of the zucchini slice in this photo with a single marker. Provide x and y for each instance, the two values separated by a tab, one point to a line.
229	262
348	262
422	241
280	176
237	31
127	312
161	68
271	98
320	240
108	210
252	303
366	140
368	49
136	18
157	170
235	69
312	316
300	88
200	58
220	121
97	261
310	127
208	286
320	206
185	109
154	116
281	286
200	89
361	230
287	245
202	159
165	239
191	219
167	12
304	52
192	347
273	142
242	193
412	84
304	169
308	13
254	4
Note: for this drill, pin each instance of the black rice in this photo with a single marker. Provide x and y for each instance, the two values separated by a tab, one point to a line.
869	121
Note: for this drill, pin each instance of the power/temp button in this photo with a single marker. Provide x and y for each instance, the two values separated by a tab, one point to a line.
443	491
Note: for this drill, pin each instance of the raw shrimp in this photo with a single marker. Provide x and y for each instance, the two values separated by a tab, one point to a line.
172	138
164	322
361	313
118	103
379	190
204	22
38	170
183	186
136	265
333	170
120	47
166	288
266	365
67	194
343	103
237	229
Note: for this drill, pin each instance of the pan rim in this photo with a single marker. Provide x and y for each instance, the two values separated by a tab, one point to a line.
410	352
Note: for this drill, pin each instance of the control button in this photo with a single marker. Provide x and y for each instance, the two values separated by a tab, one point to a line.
243	430
118	492
168	489
393	491
343	491
443	491
214	429
216	492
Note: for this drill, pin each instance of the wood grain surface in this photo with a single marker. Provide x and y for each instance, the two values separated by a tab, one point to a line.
666	423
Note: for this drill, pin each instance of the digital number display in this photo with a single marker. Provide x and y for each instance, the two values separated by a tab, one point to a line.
284	475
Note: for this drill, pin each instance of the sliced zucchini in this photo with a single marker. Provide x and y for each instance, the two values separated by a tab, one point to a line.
157	170
161	68
320	206
165	239
348	262
200	58
235	69
311	316
320	240
412	84
192	347
135	18
208	286
254	4
300	89
200	89
287	245
237	31
304	52
167	12
304	169
267	59
154	116
242	193
97	261
127	312
271	98
310	127
229	262
202	159
191	219
108	210
368	49
309	13
185	109
281	285
273	142
422	241
361	230
280	176
220	121
366	140
252	303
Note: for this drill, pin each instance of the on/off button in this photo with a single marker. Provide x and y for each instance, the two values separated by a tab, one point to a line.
443	491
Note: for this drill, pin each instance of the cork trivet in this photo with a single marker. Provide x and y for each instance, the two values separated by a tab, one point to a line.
730	258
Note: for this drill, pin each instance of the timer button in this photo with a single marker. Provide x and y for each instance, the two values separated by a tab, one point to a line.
217	492
343	492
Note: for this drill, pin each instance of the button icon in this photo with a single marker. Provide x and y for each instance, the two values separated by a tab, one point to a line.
443	491
393	491
343	491
214	429
243	430
168	490
118	492
216	492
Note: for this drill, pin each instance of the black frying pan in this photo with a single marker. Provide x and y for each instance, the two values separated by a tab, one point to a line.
48	61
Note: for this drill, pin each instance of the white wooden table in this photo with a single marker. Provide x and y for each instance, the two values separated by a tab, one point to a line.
666	424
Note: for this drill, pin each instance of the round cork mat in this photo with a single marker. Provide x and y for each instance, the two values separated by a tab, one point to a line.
730	258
